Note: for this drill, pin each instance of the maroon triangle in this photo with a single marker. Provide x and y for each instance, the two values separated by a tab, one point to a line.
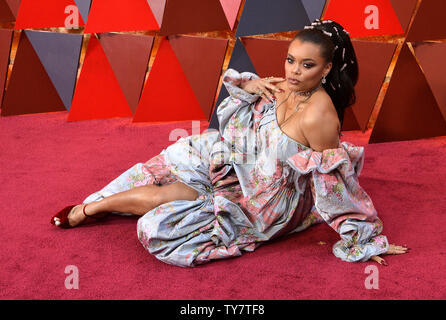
270	64
374	59
6	14
429	54
428	23
193	16
201	60
404	10
30	89
5	46
128	56
409	110
350	122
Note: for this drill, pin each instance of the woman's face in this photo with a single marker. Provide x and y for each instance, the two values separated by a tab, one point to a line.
305	64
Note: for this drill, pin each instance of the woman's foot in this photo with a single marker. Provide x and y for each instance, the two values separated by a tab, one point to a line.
75	217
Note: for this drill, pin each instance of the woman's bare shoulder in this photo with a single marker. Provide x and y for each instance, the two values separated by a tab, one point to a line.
320	109
320	123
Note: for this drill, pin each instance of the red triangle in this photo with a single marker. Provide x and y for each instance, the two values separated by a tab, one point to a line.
30	89
167	95
201	60
98	94
128	55
352	16
43	14
118	15
409	110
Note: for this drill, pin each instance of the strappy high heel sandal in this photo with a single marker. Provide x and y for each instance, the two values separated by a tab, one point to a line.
63	216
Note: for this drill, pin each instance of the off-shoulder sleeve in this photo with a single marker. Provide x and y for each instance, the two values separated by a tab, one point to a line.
341	201
238	97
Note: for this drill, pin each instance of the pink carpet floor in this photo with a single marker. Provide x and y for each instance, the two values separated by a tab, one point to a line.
47	163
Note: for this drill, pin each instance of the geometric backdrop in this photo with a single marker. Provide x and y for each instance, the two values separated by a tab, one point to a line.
98	94
161	61
429	56
42	86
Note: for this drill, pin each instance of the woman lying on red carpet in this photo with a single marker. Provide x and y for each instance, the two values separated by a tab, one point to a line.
275	166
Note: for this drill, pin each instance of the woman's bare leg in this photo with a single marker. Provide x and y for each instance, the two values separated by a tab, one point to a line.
138	200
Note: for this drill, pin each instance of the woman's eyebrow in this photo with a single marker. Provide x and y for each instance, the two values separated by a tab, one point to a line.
308	59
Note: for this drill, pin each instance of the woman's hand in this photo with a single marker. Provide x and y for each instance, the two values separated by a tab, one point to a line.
264	87
393	249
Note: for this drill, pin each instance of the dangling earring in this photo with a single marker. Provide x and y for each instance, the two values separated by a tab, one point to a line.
324	80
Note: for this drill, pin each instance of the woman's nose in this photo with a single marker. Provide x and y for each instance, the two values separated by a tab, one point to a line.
296	70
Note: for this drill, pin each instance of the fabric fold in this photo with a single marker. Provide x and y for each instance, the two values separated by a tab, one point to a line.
238	98
348	158
341	201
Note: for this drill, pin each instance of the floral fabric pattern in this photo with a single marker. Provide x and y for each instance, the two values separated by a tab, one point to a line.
254	183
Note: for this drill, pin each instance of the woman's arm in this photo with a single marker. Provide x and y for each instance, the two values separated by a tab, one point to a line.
339	198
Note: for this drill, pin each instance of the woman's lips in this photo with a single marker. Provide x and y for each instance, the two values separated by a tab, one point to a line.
293	81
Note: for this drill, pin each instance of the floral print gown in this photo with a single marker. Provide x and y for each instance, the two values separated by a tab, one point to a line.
254	183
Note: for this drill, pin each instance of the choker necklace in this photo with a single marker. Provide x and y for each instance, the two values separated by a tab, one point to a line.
307	95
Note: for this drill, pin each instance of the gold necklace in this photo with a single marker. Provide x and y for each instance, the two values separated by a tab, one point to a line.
307	95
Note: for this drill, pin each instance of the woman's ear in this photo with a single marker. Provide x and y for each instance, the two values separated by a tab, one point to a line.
327	68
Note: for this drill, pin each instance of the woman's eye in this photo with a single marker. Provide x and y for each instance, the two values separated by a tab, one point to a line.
289	60
308	66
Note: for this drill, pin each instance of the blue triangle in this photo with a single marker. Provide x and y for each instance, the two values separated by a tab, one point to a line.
84	8
241	62
266	16
314	8
59	54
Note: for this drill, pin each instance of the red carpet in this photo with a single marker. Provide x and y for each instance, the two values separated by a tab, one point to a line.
47	163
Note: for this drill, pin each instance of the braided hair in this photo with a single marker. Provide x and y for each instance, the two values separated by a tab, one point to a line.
337	48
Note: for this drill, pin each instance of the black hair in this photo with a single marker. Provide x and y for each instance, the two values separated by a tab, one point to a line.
336	48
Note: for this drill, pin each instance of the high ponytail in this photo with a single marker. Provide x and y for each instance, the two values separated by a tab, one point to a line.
338	49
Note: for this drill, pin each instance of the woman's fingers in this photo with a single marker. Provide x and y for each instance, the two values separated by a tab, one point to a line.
264	96
263	92
380	260
275	79
266	93
272	87
267	89
394	249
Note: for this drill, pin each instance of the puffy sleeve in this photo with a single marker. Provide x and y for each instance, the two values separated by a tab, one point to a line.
238	98
340	200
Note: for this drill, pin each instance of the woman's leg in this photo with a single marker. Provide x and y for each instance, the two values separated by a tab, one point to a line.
138	200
